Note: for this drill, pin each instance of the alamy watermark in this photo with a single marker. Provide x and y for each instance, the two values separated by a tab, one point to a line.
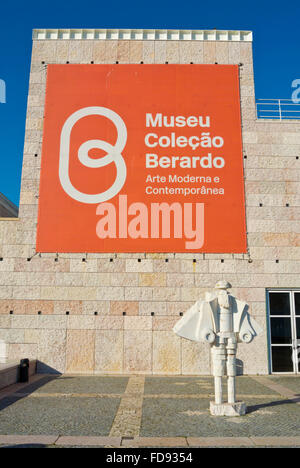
2	92
296	93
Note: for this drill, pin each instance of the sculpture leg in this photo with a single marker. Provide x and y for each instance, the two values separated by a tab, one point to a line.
231	369
218	391
219	359
231	389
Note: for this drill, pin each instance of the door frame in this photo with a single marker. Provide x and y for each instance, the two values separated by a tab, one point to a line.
292	316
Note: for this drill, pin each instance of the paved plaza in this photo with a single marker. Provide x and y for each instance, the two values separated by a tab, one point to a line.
147	411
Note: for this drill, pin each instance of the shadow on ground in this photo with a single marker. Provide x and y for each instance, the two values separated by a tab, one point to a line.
252	409
25	446
25	391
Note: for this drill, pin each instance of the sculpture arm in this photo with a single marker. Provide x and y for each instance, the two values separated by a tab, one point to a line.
197	323
249	329
206	326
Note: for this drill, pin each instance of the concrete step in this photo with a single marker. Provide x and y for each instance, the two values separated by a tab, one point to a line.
10	372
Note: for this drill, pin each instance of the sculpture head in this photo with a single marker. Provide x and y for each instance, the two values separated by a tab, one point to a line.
222	294
222	284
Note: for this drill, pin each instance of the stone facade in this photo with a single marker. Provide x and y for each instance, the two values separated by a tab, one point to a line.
114	313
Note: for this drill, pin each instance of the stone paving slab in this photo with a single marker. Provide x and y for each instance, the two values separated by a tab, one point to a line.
219	442
247	385
201	385
276	441
281	389
128	418
28	439
292	383
155	442
86	441
18	387
65	416
79	384
191	418
15	441
139	411
176	418
36	386
178	385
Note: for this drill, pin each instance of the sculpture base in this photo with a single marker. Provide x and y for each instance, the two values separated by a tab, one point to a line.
228	409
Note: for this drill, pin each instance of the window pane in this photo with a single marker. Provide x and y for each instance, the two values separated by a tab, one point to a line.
282	360
281	330
279	303
298	329
297	303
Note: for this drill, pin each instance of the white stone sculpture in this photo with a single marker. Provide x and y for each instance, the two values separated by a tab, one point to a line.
222	321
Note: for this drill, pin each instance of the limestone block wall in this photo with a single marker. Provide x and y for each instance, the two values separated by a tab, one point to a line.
114	313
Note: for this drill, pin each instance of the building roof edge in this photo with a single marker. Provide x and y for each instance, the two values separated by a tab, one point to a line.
143	34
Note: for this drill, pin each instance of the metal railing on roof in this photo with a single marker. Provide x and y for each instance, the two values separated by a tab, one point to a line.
279	109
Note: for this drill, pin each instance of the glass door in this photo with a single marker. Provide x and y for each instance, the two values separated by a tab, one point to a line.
284	316
297	331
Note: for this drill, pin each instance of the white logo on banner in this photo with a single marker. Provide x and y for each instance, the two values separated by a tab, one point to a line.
114	154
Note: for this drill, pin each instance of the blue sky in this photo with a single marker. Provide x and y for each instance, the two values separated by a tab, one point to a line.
276	45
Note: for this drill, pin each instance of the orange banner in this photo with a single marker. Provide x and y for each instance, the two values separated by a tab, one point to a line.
142	158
